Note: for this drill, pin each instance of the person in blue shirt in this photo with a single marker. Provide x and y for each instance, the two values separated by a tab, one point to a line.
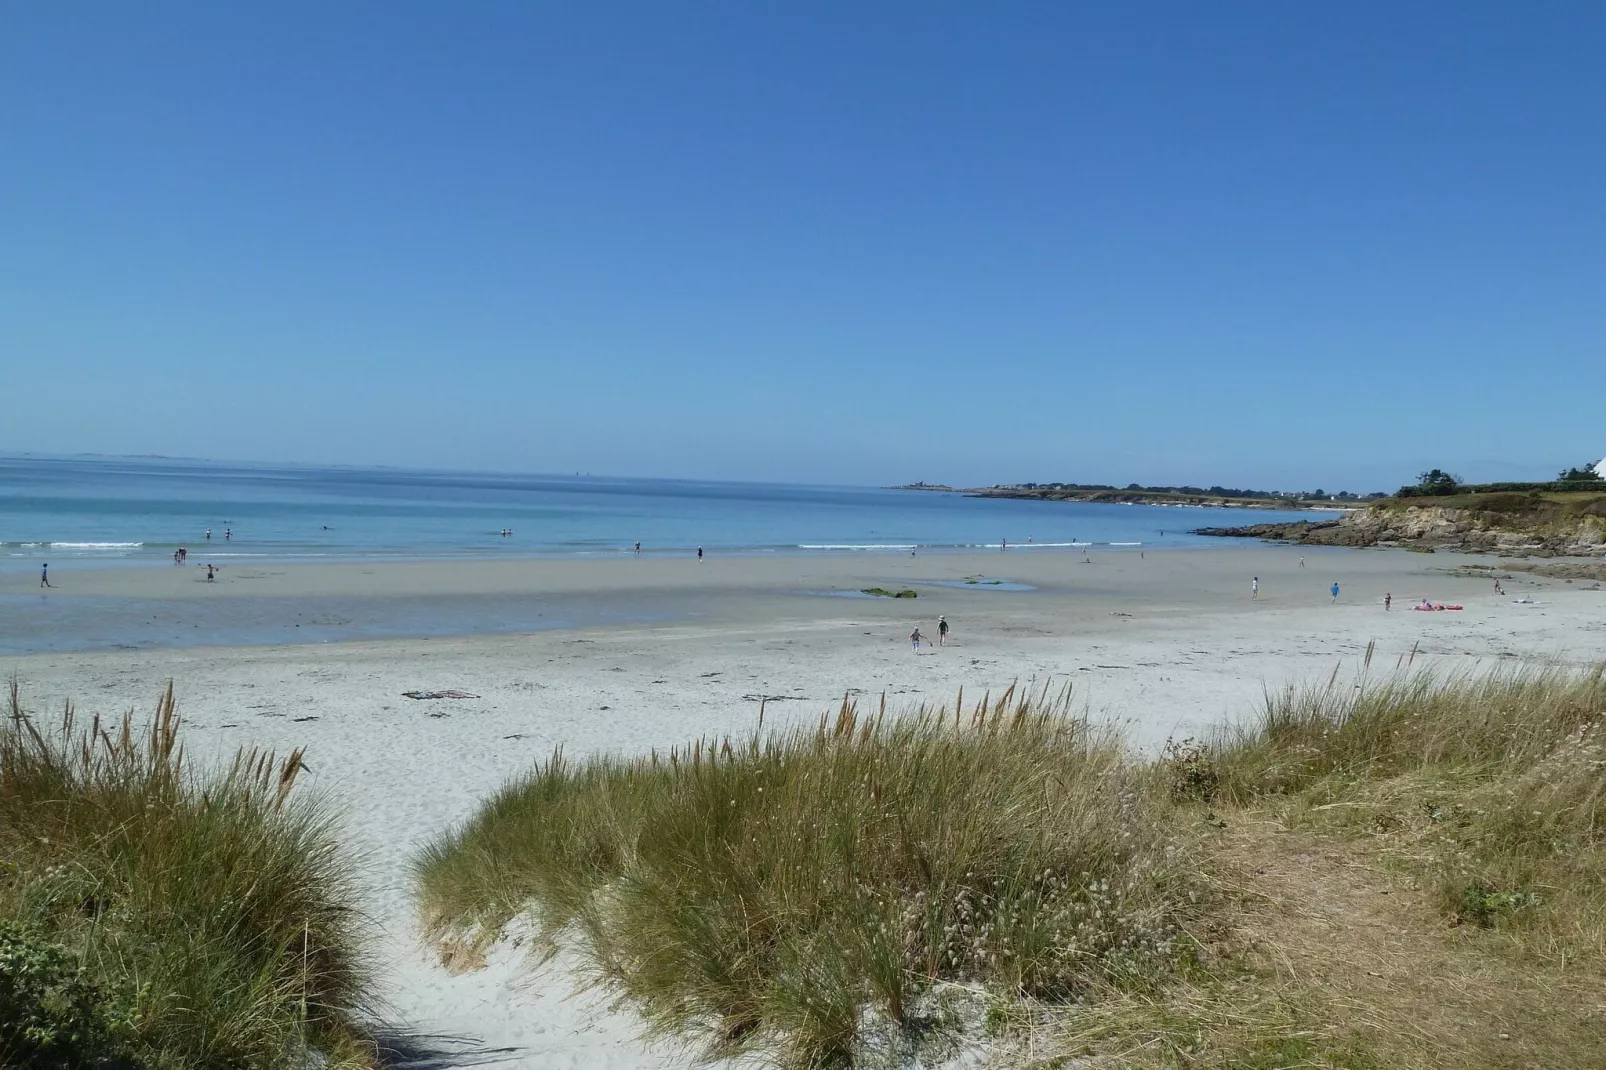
1335	590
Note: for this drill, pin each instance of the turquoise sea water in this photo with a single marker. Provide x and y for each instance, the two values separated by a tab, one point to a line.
121	513
81	511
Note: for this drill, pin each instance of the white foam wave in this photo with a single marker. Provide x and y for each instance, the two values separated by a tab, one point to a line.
92	545
856	546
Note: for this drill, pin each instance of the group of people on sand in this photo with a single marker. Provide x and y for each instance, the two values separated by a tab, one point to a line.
181	556
915	636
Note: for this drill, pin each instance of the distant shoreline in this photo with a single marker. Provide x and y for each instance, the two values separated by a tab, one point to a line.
1132	497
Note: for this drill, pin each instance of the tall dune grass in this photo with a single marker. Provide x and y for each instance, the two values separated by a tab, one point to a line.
211	914
789	894
1490	786
785	892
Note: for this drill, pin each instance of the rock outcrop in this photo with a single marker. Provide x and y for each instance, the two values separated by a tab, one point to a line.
1514	524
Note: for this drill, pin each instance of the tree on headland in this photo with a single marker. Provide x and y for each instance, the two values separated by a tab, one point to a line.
1438	481
1584	473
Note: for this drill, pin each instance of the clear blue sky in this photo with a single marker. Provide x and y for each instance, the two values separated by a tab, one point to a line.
1256	244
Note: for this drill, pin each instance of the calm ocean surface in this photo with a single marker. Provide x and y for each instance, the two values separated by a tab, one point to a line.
129	511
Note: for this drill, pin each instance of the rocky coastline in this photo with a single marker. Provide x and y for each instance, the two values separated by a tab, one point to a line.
1528	528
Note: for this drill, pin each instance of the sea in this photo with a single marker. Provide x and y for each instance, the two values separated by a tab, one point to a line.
83	513
99	511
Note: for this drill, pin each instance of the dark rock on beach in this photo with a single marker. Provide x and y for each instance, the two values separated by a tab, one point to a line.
1317	532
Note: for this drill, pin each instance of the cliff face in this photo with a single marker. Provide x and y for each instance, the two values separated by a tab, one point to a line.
1506	523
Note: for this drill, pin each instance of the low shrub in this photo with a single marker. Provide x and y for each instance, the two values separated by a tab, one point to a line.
52	1016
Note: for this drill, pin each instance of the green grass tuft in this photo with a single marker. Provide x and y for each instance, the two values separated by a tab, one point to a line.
210	915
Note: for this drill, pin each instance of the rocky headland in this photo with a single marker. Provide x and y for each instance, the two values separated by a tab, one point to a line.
1518	524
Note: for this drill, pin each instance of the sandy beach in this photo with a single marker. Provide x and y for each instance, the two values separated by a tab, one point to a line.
627	654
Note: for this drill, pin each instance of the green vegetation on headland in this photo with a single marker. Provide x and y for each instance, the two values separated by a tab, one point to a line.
159	918
1437	483
1371	874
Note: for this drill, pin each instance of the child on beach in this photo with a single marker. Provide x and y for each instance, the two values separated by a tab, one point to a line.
1254	588
1388	599
1334	589
914	640
44	575
942	631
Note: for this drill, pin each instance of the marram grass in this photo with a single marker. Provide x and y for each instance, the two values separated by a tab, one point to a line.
781	893
210	914
1404	871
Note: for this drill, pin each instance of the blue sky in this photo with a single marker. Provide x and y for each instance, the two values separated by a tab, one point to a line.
1253	244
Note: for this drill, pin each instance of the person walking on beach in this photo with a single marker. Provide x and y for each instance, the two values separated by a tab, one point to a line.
1334	589
638	547
1254	588
1003	544
699	553
1388	600
211	573
914	639
942	631
1302	562
44	575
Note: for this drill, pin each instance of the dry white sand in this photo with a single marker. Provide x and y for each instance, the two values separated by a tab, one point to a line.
1169	643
